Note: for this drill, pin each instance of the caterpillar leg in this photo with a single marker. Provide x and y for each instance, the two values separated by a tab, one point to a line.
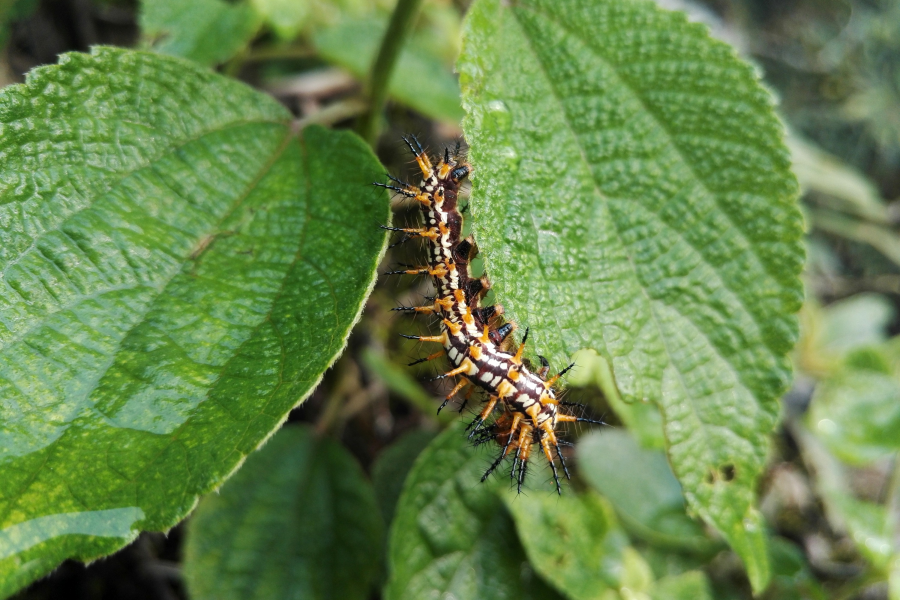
475	425
552	439
427	358
516	420
421	157
521	443
431	233
440	339
428	310
546	439
517	359
460	370
465	401
574	419
439	271
523	452
462	383
549	383
394	188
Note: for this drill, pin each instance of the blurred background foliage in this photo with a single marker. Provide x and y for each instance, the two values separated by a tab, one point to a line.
832	491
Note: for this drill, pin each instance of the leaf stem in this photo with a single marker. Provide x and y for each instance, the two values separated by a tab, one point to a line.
383	66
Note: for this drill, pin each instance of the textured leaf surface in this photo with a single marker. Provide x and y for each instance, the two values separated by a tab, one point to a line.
207	31
574	542
632	195
420	79
642	418
180	267
299	520
451	536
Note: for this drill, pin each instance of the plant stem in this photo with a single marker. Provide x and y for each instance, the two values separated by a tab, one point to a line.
383	67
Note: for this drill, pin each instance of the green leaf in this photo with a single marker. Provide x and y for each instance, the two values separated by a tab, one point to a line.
843	187
868	524
633	195
420	79
286	17
298	521
574	542
791	576
856	414
451	535
857	321
207	31
181	266
642	418
642	488
393	465
691	585
398	380
637	576
11	10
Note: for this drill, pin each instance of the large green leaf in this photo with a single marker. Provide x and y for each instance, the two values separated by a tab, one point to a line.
632	194
180	266
451	536
207	31
298	521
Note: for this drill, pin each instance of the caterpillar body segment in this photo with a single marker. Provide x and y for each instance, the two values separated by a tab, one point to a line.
521	410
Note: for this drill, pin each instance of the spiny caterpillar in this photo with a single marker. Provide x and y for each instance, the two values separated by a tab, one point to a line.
529	411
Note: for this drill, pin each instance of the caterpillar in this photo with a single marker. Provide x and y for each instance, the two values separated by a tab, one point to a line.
530	414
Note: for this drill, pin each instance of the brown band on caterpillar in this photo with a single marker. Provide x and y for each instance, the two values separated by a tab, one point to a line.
472	335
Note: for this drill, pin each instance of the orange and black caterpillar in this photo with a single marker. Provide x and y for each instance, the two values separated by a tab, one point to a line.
529	411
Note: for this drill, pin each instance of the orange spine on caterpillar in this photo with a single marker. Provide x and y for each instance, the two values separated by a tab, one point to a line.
471	335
